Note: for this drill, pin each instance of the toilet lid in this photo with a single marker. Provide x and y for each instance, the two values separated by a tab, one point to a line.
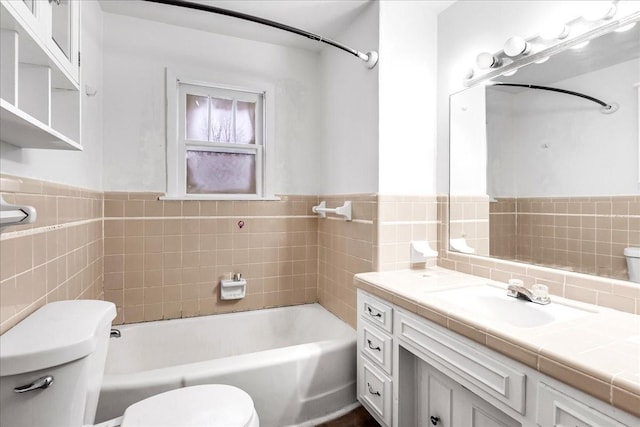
196	406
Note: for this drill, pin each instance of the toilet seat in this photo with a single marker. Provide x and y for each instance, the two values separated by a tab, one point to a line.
211	405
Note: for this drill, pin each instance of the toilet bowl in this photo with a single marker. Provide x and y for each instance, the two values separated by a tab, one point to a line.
51	369
633	263
195	406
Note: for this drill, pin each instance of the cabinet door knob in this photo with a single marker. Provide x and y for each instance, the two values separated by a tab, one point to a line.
372	313
372	347
375	393
435	420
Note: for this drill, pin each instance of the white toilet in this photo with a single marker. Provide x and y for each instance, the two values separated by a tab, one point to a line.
51	368
633	263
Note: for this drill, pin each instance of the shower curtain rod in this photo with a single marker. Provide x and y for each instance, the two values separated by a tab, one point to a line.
370	58
605	107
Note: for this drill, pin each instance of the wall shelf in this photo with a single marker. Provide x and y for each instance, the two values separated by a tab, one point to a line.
20	129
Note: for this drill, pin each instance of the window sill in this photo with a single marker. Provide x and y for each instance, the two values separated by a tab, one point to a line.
231	197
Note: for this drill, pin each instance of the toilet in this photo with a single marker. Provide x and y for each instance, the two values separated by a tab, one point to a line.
633	263
51	369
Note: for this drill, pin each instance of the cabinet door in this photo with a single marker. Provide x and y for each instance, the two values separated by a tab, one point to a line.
444	403
60	24
435	398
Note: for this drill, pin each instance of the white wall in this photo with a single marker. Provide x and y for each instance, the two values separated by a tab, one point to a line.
407	88
77	168
136	54
469	27
561	145
349	109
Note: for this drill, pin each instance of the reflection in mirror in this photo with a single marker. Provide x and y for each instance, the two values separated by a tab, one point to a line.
546	177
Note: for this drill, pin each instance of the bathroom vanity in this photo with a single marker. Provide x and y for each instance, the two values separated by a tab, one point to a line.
442	348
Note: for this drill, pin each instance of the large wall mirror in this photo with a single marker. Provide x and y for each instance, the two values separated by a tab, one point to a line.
546	177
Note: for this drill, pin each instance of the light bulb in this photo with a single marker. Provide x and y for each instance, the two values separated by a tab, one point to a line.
597	10
555	30
486	60
625	28
510	73
580	45
516	46
543	60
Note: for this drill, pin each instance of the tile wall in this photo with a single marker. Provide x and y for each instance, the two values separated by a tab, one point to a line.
165	259
603	291
345	248
583	234
470	222
57	258
402	219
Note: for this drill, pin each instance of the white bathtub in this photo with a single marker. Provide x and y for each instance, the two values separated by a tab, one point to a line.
297	363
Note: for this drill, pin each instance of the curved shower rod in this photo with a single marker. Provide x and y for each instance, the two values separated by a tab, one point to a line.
606	108
370	58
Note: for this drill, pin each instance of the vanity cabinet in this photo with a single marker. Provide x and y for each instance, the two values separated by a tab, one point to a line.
412	371
40	98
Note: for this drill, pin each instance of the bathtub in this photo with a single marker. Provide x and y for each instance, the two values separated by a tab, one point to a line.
297	363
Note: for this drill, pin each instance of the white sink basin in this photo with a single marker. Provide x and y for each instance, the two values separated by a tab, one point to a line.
491	303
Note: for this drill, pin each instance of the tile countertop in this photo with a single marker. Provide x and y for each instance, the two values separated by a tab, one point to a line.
597	353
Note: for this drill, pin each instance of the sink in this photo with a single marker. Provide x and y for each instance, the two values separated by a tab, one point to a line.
492	303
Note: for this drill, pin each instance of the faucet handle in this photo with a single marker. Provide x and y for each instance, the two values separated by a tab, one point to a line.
540	292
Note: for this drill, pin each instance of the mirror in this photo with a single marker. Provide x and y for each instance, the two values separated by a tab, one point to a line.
546	177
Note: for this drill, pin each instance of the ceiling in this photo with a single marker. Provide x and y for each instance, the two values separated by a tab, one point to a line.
323	17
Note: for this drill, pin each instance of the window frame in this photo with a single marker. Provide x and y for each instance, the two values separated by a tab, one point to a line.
177	145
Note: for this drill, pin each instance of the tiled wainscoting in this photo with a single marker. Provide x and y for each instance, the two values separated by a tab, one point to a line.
165	259
57	258
586	234
607	292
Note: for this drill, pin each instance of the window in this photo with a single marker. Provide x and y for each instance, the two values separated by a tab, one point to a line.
218	151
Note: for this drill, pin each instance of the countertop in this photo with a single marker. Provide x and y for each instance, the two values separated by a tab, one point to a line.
598	353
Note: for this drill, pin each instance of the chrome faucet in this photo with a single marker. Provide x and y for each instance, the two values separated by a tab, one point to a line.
519	291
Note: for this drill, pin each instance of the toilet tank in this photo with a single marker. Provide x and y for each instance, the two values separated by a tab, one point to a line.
67	341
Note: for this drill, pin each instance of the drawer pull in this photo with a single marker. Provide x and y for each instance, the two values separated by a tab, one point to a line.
372	347
371	313
375	393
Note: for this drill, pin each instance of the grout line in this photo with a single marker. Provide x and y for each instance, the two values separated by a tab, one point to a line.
122	218
45	229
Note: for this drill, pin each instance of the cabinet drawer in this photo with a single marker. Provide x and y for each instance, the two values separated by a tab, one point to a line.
477	370
376	345
375	391
375	311
557	409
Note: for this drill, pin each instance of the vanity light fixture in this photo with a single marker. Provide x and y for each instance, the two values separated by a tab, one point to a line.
515	46
486	60
625	28
597	10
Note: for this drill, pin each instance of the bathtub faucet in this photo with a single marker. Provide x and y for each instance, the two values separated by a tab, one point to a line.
115	333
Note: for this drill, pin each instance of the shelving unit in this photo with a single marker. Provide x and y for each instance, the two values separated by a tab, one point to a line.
40	98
